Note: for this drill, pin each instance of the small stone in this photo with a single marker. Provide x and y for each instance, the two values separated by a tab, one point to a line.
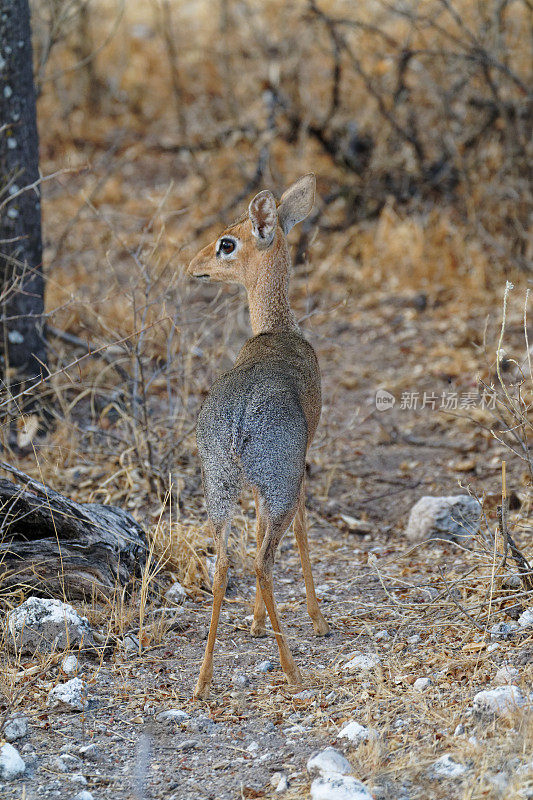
89	752
446	767
331	697
83	795
77	777
414	639
46	625
505	675
327	761
338	787
460	729
265	666
176	594
172	715
362	663
188	744
525	620
15	728
382	636
501	701
307	694
70	665
131	645
11	763
452	517
253	748
421	684
356	733
239	680
67	763
69	696
283	785
503	630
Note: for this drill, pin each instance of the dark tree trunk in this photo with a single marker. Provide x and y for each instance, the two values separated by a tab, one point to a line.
22	344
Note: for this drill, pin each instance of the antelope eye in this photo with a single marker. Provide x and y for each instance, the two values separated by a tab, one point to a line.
226	246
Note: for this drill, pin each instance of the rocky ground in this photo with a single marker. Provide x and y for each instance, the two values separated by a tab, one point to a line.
405	658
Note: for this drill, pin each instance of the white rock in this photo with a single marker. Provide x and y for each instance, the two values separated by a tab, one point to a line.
421	684
69	696
11	763
283	785
446	767
503	630
253	747
356	733
452	517
172	715
15	728
329	761
414	639
70	665
525	620
460	729
176	594
382	635
338	787
265	666
46	625
83	795
505	675
362	663
501	701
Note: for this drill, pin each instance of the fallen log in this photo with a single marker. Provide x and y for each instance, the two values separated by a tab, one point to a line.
51	545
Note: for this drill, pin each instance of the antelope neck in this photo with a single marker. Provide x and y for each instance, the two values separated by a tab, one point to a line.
268	296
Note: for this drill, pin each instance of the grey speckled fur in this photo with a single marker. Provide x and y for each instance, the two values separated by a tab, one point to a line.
252	428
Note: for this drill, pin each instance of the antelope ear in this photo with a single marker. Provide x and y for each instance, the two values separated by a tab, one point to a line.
297	202
262	213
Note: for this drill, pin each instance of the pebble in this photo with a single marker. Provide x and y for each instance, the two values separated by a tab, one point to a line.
525	620
70	665
265	666
89	752
67	763
362	663
505	675
283	785
307	694
382	636
460	729
239	680
176	594
329	761
414	639
446	767
188	744
501	701
338	787
83	795
15	728
69	696
503	630
356	733
11	763
421	684
172	715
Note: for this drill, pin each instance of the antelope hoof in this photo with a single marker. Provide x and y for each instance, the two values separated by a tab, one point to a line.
320	626
258	629
201	691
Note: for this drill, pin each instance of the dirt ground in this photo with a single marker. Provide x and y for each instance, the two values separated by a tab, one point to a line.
365	471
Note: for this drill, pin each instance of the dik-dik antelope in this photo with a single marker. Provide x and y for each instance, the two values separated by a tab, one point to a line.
259	419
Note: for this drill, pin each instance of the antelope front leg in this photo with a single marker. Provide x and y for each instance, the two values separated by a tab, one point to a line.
320	625
219	589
